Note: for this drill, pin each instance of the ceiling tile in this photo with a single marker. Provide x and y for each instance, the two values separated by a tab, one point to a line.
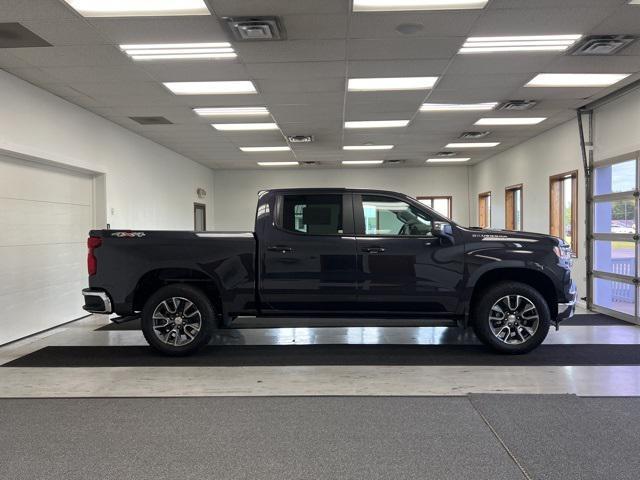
291	51
303	27
70	56
297	86
403	48
194	70
298	70
19	10
428	24
66	32
397	68
229	8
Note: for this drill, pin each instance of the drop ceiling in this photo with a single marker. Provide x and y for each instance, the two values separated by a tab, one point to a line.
302	80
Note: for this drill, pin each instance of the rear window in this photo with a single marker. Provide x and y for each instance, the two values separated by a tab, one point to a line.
312	214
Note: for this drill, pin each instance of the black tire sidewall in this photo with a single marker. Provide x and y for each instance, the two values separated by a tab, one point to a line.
480	321
192	294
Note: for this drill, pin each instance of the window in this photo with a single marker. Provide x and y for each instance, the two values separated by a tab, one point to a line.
513	207
388	216
199	217
312	214
442	205
563	205
484	210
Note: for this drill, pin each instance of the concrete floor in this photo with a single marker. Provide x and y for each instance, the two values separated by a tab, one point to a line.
314	380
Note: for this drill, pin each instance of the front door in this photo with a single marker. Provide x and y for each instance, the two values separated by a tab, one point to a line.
402	267
309	256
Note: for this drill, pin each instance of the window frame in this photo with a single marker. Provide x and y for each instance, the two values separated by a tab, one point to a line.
483	196
347	213
557	180
200	206
449	198
511	215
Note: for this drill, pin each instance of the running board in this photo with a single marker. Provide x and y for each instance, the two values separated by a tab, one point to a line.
291	322
128	318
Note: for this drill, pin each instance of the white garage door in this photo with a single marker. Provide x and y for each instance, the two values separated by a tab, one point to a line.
45	214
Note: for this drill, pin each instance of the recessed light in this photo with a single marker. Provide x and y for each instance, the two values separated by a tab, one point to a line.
367	147
236	127
362	162
539	43
511	121
285	148
473	145
377	124
177	51
277	164
138	8
446	160
389	84
231	111
404	5
576	79
443	107
211	88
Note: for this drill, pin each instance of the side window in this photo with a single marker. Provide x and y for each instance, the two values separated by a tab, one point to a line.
312	214
388	216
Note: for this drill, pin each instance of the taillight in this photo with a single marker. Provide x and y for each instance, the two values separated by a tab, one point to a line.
92	262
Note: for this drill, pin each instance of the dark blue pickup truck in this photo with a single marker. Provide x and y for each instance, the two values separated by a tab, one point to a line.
334	253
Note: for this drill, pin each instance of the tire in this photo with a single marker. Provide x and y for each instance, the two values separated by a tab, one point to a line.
519	322
189	317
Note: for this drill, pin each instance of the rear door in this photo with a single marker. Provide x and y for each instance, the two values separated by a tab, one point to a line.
402	267
308	256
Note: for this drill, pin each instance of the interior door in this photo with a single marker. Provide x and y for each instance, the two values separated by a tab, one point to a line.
309	256
402	267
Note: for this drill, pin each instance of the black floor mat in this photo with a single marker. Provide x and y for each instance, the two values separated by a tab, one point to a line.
577	320
292	355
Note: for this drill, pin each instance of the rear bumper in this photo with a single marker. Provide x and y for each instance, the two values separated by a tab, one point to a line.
567	309
96	301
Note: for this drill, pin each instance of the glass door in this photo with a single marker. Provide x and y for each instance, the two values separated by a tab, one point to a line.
614	242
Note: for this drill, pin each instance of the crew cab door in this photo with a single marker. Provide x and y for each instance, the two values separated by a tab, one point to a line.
402	267
308	256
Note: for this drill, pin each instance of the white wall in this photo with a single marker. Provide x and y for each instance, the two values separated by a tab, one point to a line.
236	190
617	127
147	185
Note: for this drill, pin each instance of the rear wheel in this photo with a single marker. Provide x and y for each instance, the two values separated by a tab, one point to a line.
511	317
178	320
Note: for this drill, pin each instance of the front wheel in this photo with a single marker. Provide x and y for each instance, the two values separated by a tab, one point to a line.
511	317
178	320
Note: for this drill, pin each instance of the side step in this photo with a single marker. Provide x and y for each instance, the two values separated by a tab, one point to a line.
128	318
296	322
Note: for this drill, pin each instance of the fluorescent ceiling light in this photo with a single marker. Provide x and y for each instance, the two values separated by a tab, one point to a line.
399	83
211	88
367	147
473	145
236	127
443	107
377	124
445	160
540	43
277	164
576	79
230	111
511	121
404	5
362	162
285	148
177	51
138	8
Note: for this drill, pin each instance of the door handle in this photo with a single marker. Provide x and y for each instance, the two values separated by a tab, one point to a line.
373	249
280	248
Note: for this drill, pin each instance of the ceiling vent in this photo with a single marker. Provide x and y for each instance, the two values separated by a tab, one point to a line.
517	105
474	134
300	138
255	28
394	162
14	35
602	44
310	163
151	120
446	154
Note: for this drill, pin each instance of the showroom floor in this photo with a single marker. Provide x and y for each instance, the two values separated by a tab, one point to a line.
409	402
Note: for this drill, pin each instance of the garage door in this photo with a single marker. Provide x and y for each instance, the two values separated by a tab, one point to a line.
45	214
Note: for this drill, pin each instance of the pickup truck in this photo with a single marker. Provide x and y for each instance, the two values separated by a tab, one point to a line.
334	253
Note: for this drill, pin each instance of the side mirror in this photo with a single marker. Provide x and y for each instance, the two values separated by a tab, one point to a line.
443	231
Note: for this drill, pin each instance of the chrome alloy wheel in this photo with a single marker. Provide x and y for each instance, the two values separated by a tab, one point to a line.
176	321
514	319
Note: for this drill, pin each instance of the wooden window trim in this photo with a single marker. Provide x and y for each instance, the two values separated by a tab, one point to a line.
482	196
510	215
574	206
440	197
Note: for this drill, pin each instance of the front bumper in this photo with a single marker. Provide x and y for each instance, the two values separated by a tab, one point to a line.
567	309
96	301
